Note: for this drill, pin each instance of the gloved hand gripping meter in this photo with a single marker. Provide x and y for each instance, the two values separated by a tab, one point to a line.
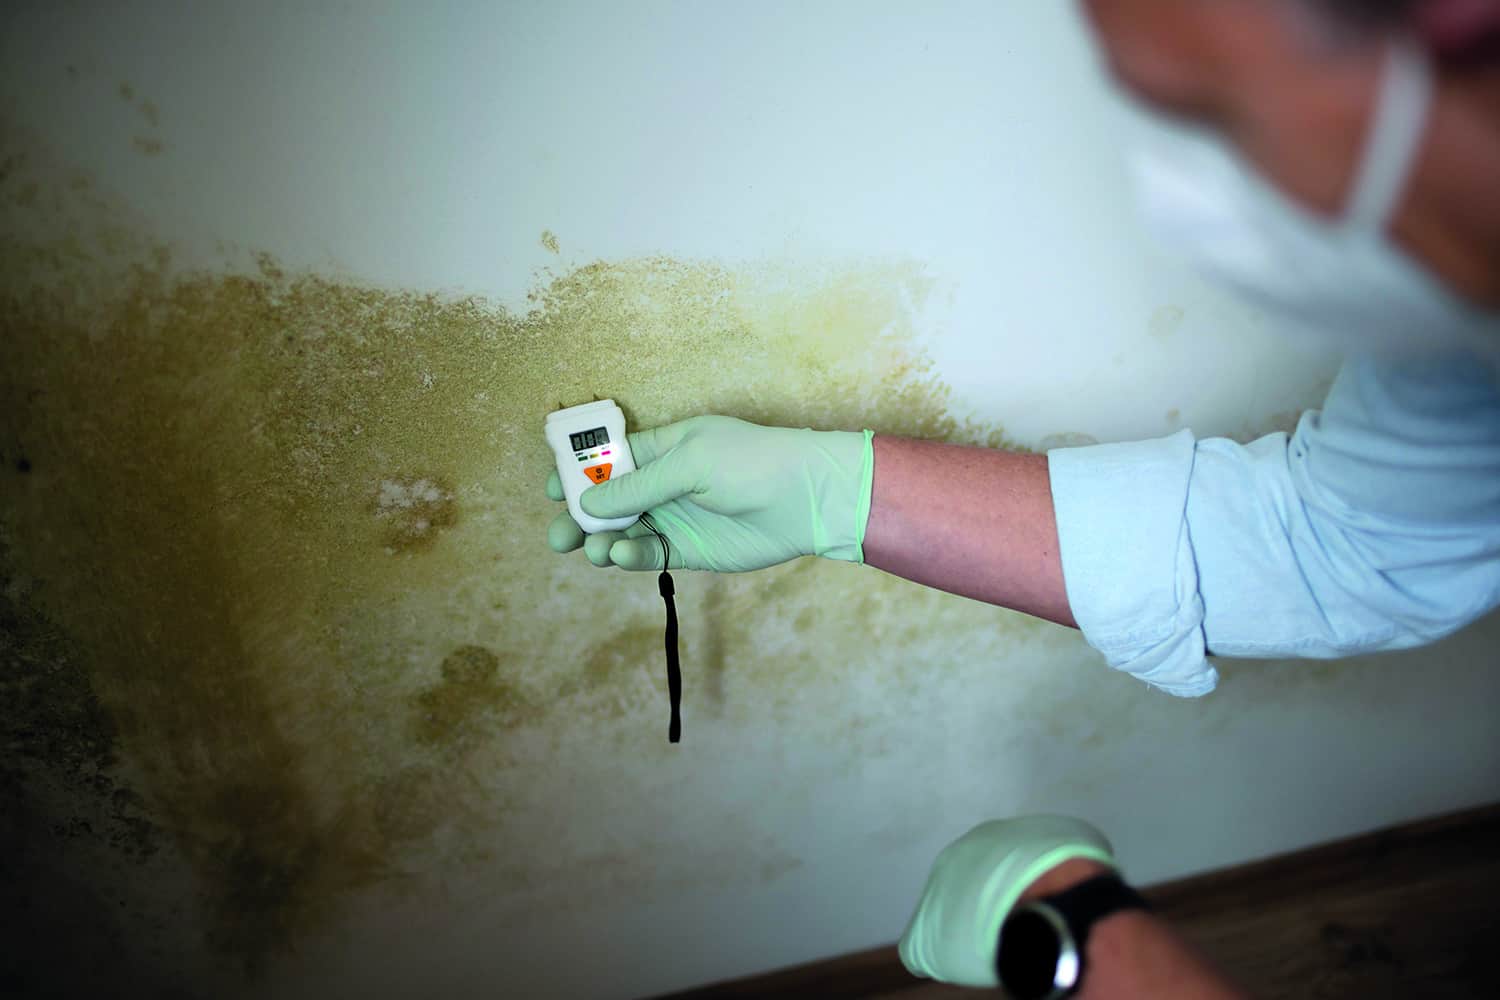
589	444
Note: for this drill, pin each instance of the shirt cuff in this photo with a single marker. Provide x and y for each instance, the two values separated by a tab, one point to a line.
1127	558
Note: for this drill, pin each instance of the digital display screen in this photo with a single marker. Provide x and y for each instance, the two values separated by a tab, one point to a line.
589	439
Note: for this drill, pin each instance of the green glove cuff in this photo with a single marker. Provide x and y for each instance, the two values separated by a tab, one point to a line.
842	505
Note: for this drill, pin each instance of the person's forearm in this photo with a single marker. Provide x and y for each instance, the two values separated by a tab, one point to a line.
1135	956
971	521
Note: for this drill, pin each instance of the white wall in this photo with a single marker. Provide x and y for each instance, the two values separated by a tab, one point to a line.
429	146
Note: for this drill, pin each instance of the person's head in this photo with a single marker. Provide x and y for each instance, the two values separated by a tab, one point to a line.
1292	84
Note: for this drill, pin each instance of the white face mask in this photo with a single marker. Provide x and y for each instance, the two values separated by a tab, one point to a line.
1345	280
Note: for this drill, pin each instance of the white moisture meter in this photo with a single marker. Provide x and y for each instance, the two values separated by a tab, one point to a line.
589	444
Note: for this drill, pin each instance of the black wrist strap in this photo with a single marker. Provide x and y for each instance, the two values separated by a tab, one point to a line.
1092	900
1083	905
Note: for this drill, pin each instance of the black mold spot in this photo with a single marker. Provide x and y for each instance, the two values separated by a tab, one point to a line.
62	811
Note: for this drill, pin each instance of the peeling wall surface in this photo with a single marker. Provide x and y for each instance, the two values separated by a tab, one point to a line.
296	701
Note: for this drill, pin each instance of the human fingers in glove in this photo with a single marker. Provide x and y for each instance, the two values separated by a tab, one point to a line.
733	496
1036	904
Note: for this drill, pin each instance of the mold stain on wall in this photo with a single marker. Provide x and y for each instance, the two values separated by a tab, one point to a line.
271	558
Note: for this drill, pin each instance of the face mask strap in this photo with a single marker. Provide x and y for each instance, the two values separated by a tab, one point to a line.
1395	137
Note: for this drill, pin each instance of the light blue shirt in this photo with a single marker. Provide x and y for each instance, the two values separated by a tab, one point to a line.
1376	525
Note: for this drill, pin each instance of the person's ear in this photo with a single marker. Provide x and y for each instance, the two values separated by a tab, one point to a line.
1460	30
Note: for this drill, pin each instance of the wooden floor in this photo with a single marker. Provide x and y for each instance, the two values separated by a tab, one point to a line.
1410	912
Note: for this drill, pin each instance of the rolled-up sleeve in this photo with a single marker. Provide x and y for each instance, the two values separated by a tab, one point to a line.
1376	525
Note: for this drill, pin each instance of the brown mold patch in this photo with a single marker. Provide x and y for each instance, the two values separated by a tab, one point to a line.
414	512
622	653
470	704
221	466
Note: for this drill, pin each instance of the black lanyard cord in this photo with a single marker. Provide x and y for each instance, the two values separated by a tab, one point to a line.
674	667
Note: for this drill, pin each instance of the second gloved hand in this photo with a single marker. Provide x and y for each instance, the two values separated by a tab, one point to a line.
730	496
976	881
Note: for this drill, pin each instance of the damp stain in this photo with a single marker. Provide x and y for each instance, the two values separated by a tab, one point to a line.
1067	439
1164	322
285	533
147	144
1282	422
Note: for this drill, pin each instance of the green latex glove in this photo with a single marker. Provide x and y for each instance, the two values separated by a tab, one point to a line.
730	496
955	932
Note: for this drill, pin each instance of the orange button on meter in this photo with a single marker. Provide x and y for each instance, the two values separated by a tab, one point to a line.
599	473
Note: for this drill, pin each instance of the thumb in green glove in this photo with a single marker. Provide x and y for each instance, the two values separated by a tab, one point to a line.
976	881
730	496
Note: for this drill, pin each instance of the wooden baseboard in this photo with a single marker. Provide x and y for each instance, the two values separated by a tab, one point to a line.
1409	911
